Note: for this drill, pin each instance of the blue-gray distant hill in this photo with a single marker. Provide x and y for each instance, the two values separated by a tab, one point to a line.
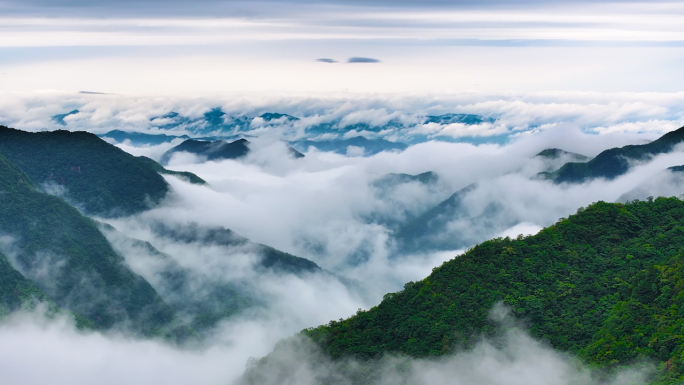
341	146
467	119
431	230
216	124
141	139
216	150
614	162
557	153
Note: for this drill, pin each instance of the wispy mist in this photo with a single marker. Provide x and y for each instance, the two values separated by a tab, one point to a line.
513	357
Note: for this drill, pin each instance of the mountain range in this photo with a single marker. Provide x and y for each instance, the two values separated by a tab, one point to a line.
50	251
614	162
333	136
605	284
430	230
216	150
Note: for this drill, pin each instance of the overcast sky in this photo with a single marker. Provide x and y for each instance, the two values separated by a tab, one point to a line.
217	47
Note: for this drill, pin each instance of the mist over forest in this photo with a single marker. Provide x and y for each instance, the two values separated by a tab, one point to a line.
184	240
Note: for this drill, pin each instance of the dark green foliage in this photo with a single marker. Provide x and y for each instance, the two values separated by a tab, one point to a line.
614	162
676	168
190	177
606	284
15	289
101	178
70	260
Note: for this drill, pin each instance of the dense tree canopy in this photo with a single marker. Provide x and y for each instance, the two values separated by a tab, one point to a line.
606	284
97	176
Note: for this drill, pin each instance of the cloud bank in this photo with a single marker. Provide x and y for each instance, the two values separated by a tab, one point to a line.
342	212
511	358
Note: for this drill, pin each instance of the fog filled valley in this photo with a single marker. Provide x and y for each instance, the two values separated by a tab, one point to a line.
451	239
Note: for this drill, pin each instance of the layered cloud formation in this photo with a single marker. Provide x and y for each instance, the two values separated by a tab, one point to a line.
343	212
407	118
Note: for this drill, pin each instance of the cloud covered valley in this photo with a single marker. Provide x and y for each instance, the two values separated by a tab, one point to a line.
273	243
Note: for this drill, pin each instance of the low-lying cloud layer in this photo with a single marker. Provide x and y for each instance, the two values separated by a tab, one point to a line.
342	212
395	118
512	358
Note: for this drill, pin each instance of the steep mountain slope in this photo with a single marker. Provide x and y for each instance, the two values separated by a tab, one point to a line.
52	244
15	289
430	230
204	291
614	162
201	302
269	258
398	193
216	150
101	178
606	284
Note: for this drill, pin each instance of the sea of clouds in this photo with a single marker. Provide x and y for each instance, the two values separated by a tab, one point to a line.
324	207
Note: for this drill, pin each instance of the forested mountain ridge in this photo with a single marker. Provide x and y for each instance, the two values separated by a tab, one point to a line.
216	150
98	176
50	252
606	284
68	258
614	162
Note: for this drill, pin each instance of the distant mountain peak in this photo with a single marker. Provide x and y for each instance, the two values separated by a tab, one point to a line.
555	153
59	118
614	162
216	150
268	116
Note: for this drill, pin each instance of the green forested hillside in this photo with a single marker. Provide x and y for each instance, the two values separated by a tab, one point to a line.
15	289
101	178
606	284
68	258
